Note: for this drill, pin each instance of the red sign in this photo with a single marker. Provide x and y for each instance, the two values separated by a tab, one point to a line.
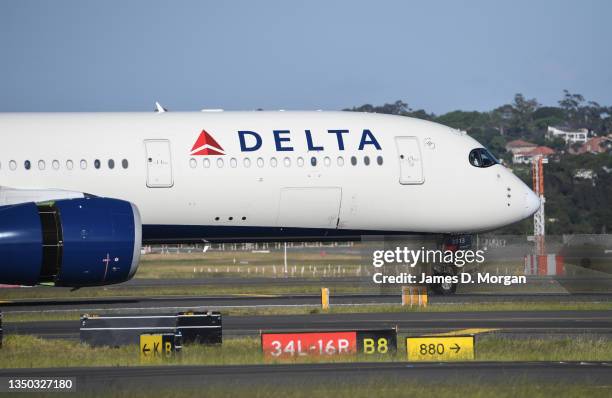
290	345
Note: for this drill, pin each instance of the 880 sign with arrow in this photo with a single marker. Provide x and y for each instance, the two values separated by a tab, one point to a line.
440	348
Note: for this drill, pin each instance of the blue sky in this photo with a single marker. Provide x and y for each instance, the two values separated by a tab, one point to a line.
439	55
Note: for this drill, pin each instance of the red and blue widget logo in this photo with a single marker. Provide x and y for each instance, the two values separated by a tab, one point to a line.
206	145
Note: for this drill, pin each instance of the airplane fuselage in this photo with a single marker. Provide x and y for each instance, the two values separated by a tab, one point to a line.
256	175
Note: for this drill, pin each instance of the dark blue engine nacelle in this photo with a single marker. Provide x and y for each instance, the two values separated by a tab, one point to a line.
73	242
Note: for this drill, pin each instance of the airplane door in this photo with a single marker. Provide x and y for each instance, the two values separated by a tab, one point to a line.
410	160
159	164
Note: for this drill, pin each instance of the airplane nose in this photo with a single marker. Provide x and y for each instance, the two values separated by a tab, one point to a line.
532	203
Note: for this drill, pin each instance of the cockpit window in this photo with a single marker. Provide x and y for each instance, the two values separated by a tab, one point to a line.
480	157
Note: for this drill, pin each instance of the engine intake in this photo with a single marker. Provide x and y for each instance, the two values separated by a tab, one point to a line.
74	242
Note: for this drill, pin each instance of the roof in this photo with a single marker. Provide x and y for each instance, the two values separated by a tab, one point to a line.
519	143
567	129
541	150
598	140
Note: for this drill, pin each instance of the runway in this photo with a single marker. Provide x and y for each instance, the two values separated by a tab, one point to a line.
598	282
308	375
181	303
509	323
281	280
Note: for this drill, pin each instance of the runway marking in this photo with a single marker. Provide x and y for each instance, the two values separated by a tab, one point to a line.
460	332
153	327
255	295
96	317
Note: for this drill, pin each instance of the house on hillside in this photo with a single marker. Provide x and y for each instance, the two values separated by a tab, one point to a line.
596	145
516	146
570	137
528	155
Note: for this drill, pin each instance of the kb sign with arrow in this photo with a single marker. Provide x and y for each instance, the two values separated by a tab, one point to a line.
440	348
158	345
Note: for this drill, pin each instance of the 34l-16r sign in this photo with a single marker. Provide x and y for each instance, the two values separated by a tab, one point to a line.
290	345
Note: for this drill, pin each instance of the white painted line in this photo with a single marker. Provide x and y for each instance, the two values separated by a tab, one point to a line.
150	316
153	327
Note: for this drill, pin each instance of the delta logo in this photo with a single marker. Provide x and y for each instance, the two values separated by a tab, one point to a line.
206	145
251	141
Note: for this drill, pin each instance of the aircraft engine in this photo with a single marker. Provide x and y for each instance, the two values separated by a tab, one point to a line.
88	241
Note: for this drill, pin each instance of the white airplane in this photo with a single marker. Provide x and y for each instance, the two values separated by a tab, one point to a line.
80	192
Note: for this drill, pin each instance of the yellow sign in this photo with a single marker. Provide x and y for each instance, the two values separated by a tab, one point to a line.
154	345
440	348
324	298
150	345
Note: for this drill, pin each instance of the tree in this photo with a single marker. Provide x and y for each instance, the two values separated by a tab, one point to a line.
463	120
501	117
571	104
398	107
522	113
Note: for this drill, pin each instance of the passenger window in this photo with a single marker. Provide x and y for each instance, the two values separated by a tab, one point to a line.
340	161
219	163
327	161
233	162
55	164
193	163
206	163
124	163
379	160
12	165
287	162
247	162
366	160
97	163
41	165
27	165
300	161
354	160
111	164
313	161
83	164
273	162
260	162
69	164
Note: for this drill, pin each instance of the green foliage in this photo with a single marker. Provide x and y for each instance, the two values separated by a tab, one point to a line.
546	112
463	120
580	206
397	108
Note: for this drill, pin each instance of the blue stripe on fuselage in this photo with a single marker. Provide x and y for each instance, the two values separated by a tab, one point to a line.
227	233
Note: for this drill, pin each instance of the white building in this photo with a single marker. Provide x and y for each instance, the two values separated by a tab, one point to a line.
584	174
527	156
570	137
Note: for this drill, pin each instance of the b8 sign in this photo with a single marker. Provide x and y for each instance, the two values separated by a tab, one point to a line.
290	345
377	342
